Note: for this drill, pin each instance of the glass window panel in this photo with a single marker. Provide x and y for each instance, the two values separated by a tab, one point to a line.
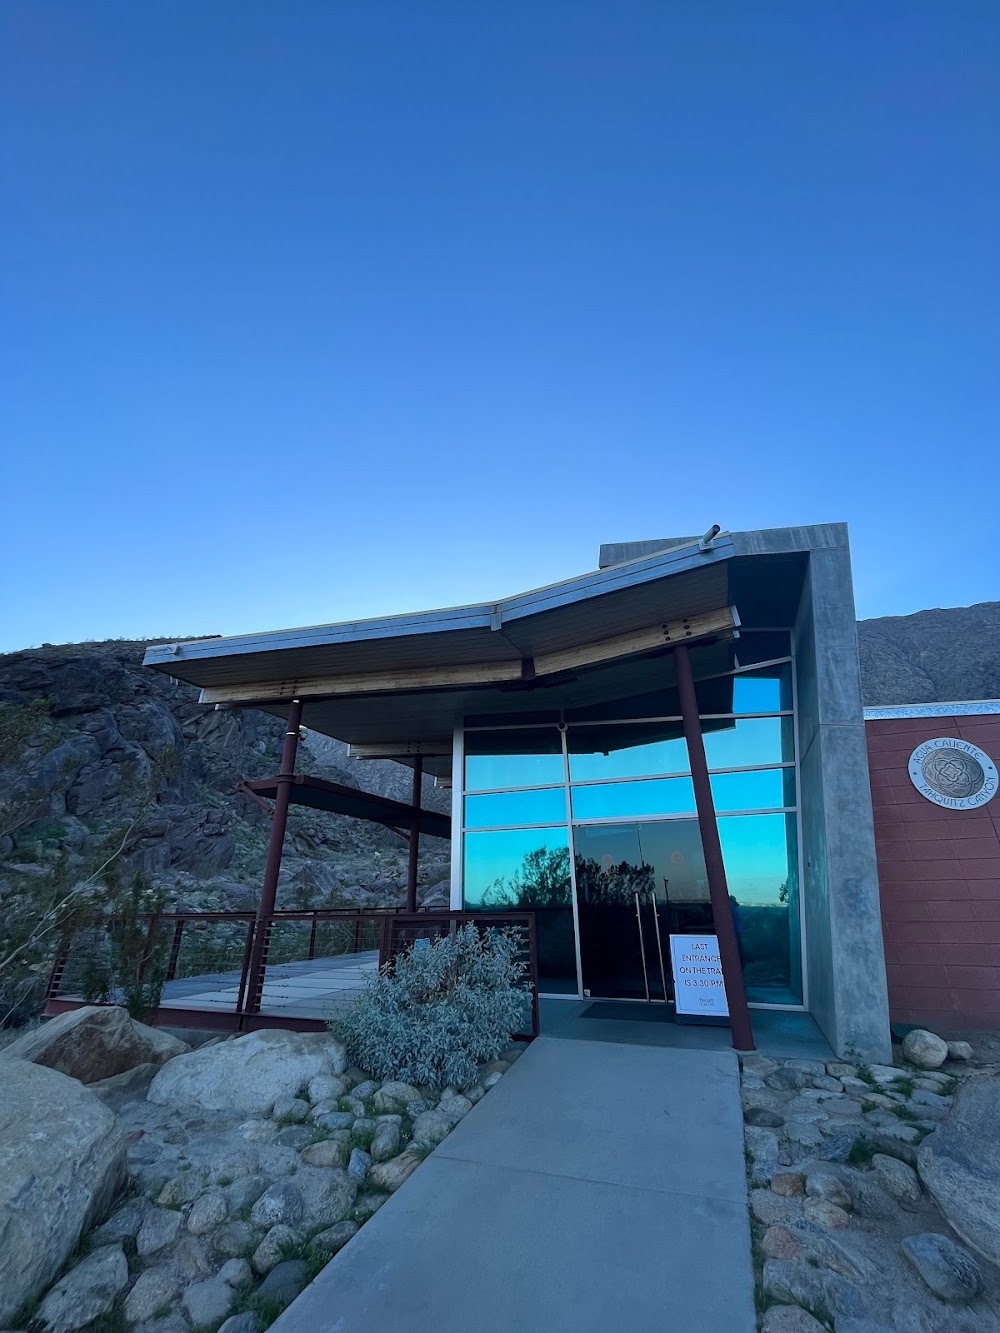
516	807
660	703
761	860
750	741
762	646
767	691
630	800
763	789
605	753
521	758
527	719
528	870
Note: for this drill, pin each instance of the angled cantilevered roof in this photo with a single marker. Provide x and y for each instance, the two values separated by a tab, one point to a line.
409	679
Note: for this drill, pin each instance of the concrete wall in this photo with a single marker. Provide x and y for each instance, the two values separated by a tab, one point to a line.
939	872
844	954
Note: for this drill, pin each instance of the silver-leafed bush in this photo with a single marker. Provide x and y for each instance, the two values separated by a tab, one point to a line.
439	1009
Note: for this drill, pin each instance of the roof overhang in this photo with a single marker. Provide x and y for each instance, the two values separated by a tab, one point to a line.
407	681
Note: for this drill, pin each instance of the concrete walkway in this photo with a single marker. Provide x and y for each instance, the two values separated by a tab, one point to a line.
597	1187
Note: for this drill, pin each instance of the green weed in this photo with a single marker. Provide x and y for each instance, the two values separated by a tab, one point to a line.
862	1152
266	1308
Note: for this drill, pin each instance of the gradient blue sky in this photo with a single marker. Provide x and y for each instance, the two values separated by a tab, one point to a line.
315	310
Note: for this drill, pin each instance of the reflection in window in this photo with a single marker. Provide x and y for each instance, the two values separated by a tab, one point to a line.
528	870
762	789
761	862
751	741
546	806
632	800
602	754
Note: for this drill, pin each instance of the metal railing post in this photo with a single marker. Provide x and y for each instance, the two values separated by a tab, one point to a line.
279	822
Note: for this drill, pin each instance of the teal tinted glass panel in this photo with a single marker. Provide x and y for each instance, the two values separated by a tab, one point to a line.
750	741
516	807
768	691
603	754
761	862
762	789
632	800
525	758
528	870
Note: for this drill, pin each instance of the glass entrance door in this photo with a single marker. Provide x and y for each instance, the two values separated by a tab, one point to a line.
636	884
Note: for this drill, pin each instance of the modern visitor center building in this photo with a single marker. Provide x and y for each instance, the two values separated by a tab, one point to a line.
664	760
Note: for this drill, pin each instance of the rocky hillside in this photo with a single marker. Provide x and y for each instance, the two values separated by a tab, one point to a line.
934	656
104	744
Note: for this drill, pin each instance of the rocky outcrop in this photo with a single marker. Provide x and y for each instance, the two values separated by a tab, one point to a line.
115	741
248	1074
960	1165
931	656
95	1043
62	1162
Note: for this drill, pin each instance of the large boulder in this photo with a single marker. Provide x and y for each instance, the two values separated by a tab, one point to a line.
95	1043
960	1165
86	1292
62	1163
924	1049
947	1269
249	1074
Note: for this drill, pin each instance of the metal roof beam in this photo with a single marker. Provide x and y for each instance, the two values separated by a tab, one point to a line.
400	749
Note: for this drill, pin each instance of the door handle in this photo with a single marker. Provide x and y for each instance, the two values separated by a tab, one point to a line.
642	947
659	945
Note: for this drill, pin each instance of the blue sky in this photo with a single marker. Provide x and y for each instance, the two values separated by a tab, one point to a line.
319	310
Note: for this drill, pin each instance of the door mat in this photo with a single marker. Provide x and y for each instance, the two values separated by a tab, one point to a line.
632	1013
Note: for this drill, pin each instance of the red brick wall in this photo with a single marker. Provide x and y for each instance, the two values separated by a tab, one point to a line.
939	878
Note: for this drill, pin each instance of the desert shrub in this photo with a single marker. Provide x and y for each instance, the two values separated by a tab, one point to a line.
438	1009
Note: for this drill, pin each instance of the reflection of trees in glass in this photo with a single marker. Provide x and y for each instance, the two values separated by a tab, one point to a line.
601	885
541	880
783	893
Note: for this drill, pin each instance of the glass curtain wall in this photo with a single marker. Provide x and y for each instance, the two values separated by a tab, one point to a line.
549	806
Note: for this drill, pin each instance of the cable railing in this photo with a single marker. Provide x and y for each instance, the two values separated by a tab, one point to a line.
226	971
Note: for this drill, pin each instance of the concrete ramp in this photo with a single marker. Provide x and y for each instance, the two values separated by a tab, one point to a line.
597	1187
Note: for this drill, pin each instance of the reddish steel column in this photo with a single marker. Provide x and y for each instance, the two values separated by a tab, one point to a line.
279	822
718	888
411	867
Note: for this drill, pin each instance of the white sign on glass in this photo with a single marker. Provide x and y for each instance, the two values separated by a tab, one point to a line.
698	984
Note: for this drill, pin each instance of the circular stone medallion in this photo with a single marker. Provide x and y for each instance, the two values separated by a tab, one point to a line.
953	773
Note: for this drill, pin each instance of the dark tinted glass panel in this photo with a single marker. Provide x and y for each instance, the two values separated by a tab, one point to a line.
516	807
528	870
759	646
513	719
767	691
521	758
763	789
755	740
609	752
661	703
632	800
761	862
